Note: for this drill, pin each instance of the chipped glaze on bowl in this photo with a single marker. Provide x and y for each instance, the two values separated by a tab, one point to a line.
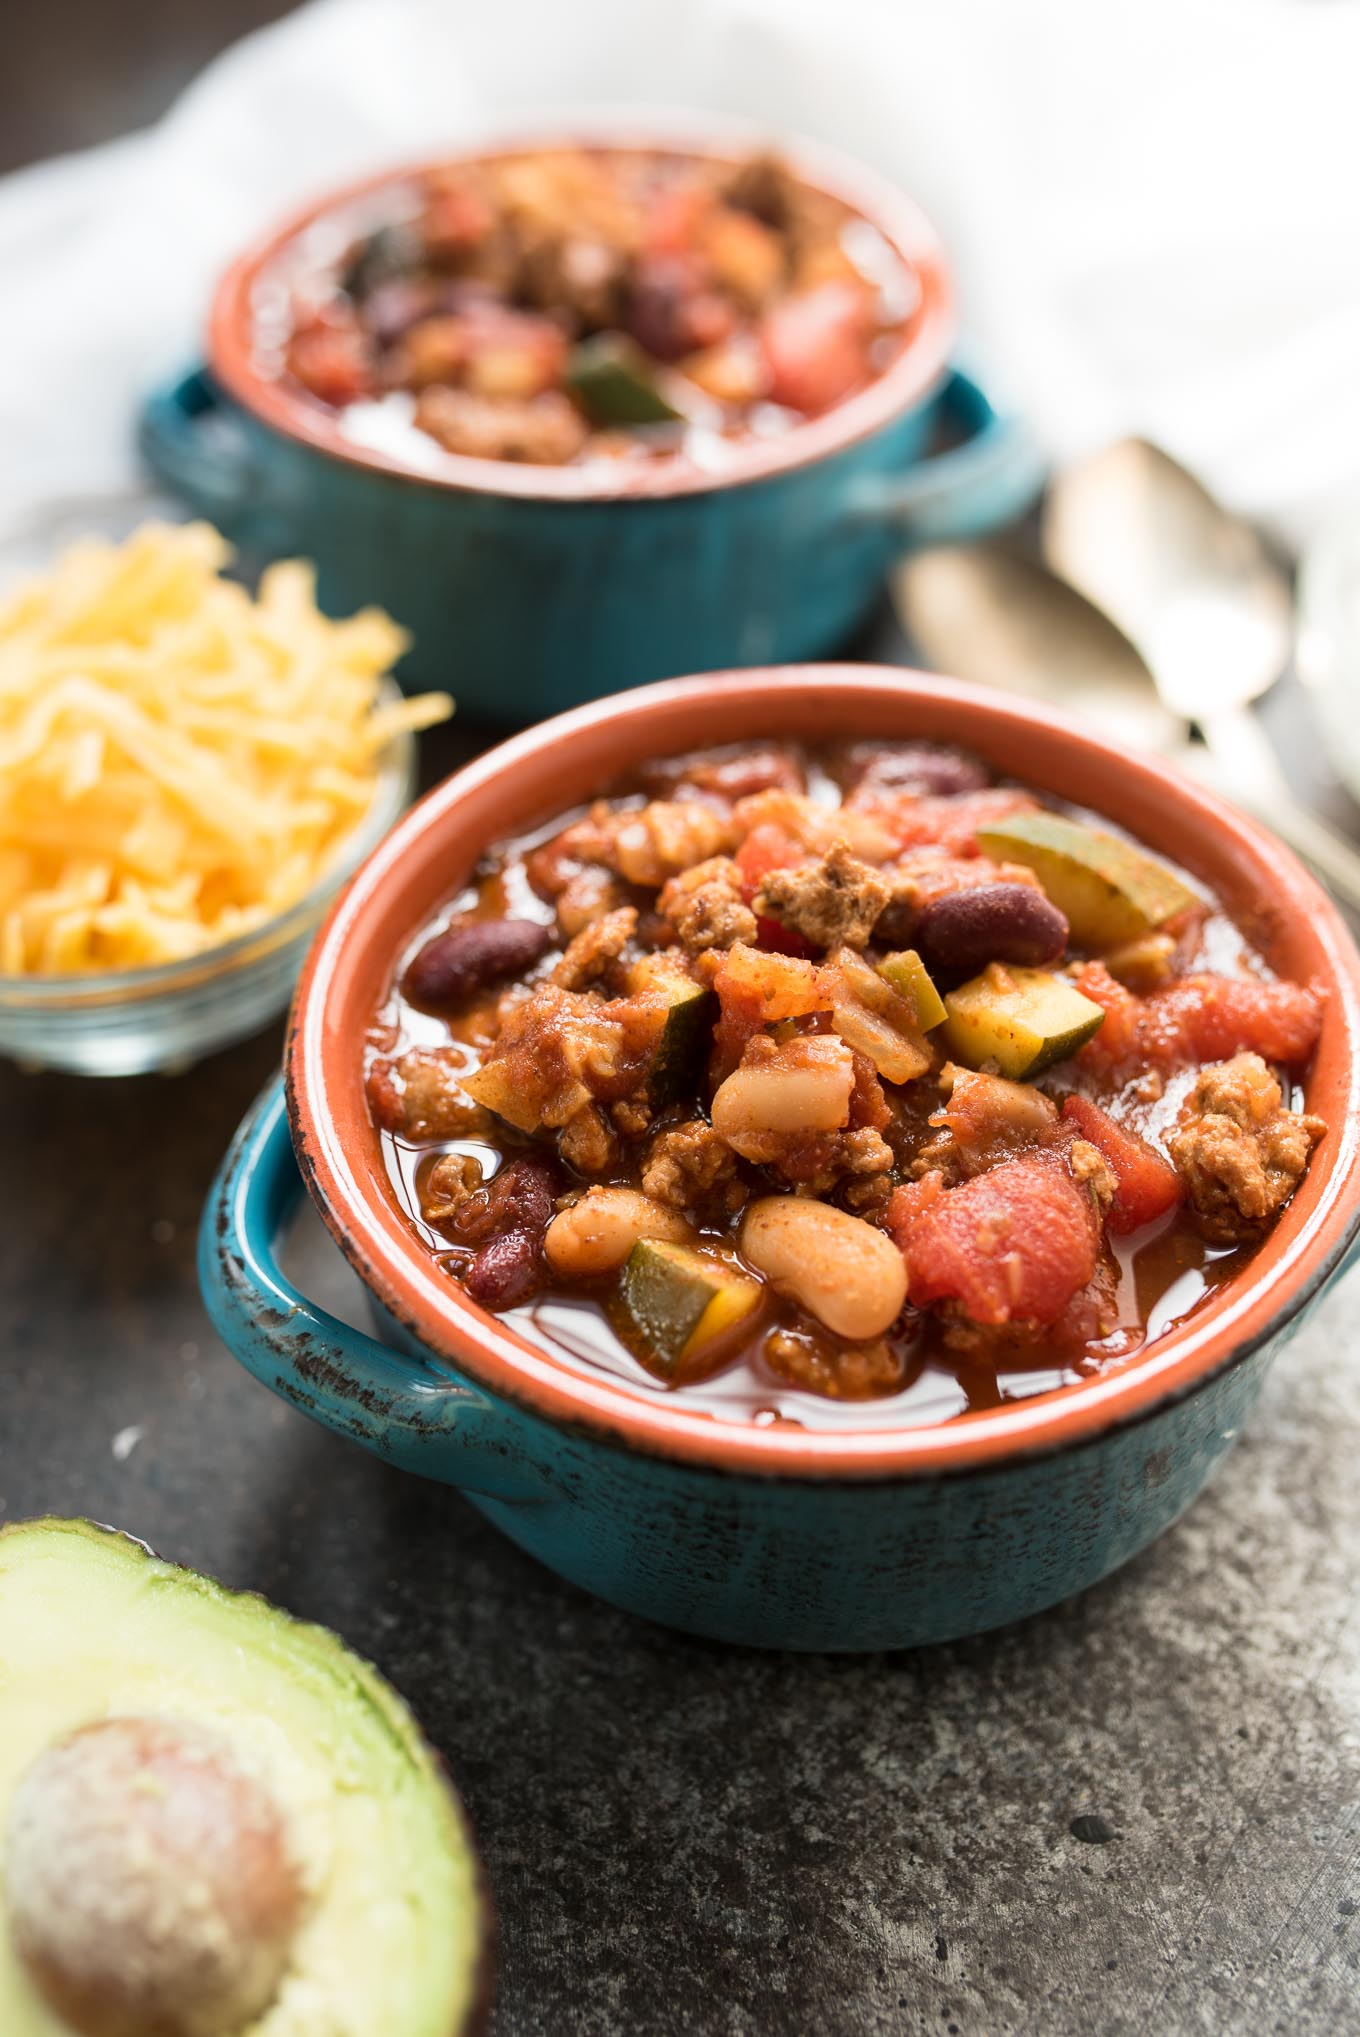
798	1538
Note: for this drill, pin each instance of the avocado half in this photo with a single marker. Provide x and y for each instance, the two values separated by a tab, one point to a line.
392	1932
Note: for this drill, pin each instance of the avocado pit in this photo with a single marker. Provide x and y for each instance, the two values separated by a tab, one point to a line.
151	1887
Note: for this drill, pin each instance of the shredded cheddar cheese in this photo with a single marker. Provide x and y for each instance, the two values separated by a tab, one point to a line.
180	760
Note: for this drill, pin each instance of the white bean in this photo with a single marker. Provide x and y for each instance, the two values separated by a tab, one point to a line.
597	1233
845	1272
803	1087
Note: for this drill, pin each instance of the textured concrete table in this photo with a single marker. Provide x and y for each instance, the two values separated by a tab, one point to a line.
1138	1813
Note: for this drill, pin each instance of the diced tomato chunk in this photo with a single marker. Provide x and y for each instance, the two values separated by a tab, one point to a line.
1216	1017
908	1202
1201	1018
950	824
674	217
780	986
457	217
1012	1245
1118	1034
773	935
771	847
1148	1185
755	990
935	875
815	346
767	847
334	361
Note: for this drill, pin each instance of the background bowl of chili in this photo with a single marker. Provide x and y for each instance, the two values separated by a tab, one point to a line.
539	586
830	1538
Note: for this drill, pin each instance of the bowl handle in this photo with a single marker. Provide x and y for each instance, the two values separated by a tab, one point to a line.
991	473
195	442
407	1412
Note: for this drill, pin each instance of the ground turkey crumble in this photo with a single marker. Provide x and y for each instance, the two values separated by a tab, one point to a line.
591	954
688	1167
833	903
421	1096
1240	1153
705	907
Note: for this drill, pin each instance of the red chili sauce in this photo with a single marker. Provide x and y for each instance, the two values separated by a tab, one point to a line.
839	1086
570	306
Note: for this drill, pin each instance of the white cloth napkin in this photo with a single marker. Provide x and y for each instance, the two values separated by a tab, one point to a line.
1154	210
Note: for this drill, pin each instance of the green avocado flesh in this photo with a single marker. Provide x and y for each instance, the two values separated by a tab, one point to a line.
1108	890
393	1934
1019	1020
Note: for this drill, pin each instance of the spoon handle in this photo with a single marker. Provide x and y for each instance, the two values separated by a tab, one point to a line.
1246	769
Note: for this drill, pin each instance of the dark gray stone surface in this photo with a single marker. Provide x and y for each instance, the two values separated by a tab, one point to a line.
685	1838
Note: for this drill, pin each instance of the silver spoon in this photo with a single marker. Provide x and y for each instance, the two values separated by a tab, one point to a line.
1196	593
992	616
985	613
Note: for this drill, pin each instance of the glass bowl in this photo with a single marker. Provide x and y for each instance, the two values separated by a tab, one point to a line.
133	1021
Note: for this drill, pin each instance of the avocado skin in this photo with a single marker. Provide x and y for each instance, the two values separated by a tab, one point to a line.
475	2019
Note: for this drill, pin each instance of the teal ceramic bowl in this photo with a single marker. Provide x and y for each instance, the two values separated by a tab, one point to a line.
529	589
779	1536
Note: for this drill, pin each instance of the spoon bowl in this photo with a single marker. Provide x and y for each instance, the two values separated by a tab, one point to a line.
1192	586
996	617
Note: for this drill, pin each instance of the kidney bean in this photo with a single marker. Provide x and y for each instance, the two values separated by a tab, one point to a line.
962	931
505	1271
394	307
521	1198
922	768
529	1192
460	294
470	956
671	311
